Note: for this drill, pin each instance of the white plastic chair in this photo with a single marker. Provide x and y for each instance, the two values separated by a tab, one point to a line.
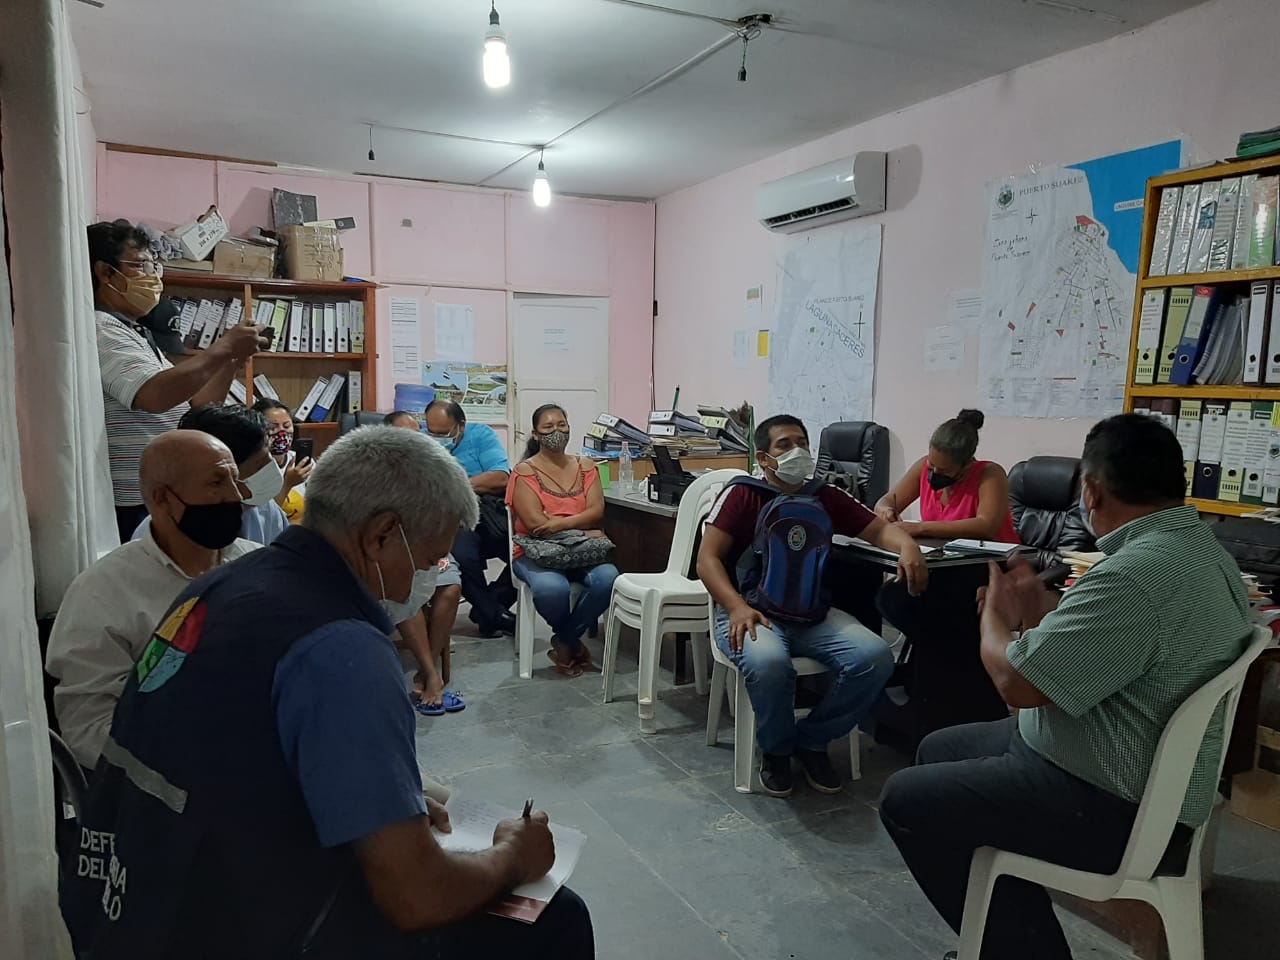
744	716
669	602
526	612
1176	898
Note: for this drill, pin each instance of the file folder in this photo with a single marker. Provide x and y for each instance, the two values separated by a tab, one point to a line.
1213	426
1255	359
1235	450
1150	326
1204	304
1175	319
1189	438
1256	448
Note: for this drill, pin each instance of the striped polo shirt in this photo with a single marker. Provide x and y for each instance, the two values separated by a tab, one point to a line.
126	361
1160	616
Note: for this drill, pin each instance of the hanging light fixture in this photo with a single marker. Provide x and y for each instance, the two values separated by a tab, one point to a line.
371	141
541	185
497	65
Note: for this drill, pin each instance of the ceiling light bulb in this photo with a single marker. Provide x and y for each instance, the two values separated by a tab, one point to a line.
541	187
497	65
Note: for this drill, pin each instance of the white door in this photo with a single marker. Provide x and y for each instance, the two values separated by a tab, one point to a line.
560	354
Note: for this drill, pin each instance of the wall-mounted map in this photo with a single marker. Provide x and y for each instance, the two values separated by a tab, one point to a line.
822	357
1060	264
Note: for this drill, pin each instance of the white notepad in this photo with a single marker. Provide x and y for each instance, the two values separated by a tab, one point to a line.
473	822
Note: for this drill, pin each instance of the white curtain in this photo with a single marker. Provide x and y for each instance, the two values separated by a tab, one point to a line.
60	421
52	444
30	925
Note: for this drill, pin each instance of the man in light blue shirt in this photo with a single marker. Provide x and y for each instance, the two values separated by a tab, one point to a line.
478	448
261	479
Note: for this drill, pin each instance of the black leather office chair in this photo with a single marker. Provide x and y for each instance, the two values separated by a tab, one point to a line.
361	418
854	455
1044	493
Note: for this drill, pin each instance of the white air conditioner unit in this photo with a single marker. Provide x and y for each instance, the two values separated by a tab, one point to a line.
839	190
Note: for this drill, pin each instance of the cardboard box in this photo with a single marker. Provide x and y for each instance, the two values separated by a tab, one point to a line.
312	253
1256	795
200	236
239	258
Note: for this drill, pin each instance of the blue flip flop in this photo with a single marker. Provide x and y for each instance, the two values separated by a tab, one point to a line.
451	702
436	711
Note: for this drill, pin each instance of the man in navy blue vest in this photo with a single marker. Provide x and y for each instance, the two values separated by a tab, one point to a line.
259	794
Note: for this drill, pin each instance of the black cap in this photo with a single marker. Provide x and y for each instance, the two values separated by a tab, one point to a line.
166	330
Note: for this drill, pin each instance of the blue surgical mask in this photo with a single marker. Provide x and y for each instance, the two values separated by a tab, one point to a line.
1084	516
447	442
420	591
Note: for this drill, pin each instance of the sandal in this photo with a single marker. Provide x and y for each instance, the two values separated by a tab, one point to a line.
566	667
582	657
451	702
426	710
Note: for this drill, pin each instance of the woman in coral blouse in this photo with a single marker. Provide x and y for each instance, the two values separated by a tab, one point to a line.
551	491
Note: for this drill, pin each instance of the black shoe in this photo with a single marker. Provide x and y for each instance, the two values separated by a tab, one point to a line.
818	770
775	774
950	955
504	624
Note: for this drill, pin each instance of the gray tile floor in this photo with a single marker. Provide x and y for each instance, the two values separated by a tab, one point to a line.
678	865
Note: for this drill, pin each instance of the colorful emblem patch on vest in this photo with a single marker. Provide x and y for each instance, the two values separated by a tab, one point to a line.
797	537
176	637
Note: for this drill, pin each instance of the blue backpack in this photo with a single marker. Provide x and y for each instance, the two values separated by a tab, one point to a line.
781	574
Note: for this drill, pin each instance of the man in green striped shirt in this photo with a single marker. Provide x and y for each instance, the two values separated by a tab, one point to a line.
1097	676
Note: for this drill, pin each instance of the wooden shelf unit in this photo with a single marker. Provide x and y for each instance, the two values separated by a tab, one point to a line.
1240	279
292	374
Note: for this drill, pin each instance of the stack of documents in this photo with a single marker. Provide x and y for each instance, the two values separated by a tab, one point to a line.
840	540
993	548
1259	143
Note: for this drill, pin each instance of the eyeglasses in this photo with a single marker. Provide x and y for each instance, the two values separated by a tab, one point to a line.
153	268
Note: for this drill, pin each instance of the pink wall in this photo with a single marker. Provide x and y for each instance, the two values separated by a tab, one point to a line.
438	242
1206	74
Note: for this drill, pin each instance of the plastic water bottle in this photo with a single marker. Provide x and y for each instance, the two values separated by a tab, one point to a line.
625	476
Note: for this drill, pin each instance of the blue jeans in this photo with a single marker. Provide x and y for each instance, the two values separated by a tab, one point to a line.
859	660
551	596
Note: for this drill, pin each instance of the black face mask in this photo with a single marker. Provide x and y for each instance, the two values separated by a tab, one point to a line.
211	525
940	481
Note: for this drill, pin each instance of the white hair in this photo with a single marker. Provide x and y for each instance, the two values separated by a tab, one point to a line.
380	469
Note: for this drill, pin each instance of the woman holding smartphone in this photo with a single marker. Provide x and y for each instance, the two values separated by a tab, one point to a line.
295	463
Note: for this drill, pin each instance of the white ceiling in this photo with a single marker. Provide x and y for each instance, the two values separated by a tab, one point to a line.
295	81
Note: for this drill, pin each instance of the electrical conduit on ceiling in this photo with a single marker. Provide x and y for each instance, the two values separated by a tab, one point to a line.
649	87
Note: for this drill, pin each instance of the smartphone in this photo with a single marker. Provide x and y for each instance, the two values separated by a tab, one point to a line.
303	447
269	335
1055	574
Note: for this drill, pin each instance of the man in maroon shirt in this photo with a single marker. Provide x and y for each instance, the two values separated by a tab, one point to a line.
762	649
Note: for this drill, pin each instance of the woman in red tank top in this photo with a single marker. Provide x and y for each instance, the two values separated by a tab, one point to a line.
960	496
940	667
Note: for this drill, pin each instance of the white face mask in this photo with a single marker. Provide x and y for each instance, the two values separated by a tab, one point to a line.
265	485
794	466
420	591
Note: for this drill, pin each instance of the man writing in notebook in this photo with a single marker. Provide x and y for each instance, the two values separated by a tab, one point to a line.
259	796
761	559
1096	676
